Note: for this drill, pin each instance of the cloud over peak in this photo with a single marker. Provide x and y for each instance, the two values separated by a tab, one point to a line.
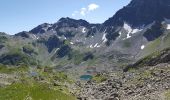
92	7
85	10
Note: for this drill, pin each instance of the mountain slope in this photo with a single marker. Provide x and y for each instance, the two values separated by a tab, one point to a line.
135	31
147	79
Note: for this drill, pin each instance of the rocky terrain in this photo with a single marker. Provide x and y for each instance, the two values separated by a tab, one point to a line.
125	58
137	83
150	83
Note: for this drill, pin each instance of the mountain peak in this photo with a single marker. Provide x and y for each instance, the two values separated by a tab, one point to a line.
41	28
141	12
73	22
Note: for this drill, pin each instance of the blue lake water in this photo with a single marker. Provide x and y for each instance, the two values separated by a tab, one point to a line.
86	77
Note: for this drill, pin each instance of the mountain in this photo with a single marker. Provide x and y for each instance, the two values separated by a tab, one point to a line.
125	57
141	13
135	31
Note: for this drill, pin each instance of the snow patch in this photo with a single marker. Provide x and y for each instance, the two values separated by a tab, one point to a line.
167	21
95	45
35	37
128	36
71	43
84	30
135	31
91	46
168	26
104	39
65	38
120	33
142	47
98	46
127	28
130	30
56	50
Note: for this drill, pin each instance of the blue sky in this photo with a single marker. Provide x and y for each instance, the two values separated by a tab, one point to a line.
23	15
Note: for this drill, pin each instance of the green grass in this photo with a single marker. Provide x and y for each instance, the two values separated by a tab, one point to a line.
9	69
29	49
167	95
151	59
76	57
36	91
99	78
151	47
17	57
156	45
167	41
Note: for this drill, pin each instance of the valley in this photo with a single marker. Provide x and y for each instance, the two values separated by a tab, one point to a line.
125	58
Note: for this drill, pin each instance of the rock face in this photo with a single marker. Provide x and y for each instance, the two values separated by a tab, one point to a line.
141	12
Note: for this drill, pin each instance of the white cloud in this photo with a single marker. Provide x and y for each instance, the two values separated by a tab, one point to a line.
85	10
74	13
92	7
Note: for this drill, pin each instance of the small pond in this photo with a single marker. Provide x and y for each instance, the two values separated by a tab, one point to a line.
86	77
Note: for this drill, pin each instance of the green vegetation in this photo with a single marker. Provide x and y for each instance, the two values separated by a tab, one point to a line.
167	95
11	69
140	77
35	91
29	49
66	42
151	47
93	61
77	57
3	39
151	60
99	78
50	74
45	84
64	51
158	44
17	58
167	41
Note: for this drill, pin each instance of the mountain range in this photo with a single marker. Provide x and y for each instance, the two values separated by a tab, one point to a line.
78	47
